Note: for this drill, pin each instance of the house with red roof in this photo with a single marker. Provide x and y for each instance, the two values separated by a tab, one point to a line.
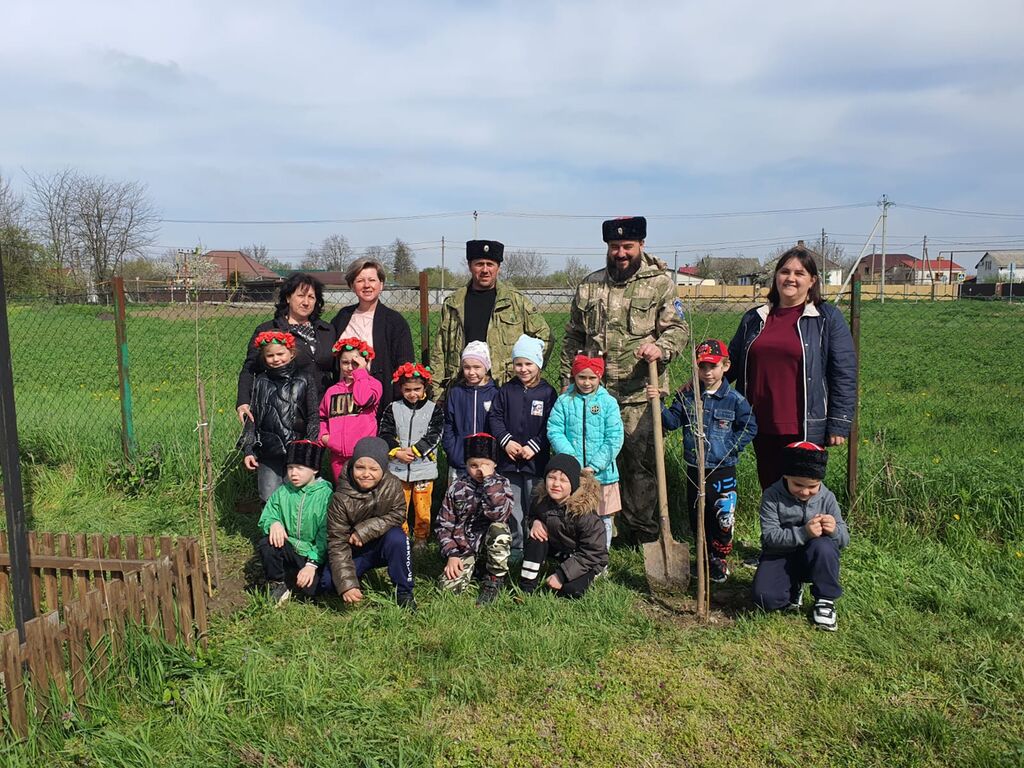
902	268
237	267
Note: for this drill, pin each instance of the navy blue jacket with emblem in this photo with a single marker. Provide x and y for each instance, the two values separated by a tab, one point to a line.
729	424
465	413
521	414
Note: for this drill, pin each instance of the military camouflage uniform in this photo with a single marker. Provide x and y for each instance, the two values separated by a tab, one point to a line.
614	319
474	516
513	315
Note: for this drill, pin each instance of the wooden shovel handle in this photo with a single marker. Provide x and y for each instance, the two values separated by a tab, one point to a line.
659	455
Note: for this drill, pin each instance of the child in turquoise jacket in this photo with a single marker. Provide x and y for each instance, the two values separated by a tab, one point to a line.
586	423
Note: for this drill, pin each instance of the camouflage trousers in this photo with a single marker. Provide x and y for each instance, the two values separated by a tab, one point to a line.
638	520
496	546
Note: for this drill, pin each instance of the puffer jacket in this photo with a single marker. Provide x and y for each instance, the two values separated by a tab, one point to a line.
465	413
521	414
303	513
370	514
588	427
413	426
783	517
576	534
348	413
829	367
284	408
467	512
316	357
513	315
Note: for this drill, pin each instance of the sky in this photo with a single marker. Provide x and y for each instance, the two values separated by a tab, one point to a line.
788	118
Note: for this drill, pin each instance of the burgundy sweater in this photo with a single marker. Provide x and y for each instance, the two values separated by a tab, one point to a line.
774	373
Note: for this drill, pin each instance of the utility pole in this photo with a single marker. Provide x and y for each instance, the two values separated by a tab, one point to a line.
924	257
442	269
885	215
475	216
676	266
821	252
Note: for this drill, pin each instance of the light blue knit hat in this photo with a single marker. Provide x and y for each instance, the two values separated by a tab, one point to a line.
529	348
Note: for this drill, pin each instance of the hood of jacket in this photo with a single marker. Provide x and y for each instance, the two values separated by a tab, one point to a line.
583	500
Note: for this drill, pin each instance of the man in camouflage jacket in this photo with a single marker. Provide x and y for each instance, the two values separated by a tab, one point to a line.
511	315
626	313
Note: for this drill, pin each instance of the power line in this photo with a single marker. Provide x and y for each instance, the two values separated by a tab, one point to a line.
958	212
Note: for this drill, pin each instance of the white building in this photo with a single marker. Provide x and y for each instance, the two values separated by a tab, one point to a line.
1001	267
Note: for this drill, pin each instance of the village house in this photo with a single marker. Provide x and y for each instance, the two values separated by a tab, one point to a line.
1001	267
904	269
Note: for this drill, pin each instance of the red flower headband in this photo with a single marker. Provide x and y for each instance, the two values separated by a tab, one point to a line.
353	345
581	363
274	337
412	371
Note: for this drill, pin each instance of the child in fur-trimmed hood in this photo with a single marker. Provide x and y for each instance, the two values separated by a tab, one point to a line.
563	524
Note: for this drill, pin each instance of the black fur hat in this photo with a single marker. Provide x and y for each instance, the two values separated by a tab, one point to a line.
305	453
804	460
481	446
568	466
626	228
484	249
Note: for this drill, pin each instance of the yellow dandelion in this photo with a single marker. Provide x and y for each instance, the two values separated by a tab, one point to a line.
1020	554
956	517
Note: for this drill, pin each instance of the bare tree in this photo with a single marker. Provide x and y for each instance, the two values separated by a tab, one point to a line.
259	253
112	219
51	214
575	270
334	253
12	207
521	267
381	255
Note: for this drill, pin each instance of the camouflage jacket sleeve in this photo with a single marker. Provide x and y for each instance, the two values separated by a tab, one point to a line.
498	499
575	336
673	330
451	531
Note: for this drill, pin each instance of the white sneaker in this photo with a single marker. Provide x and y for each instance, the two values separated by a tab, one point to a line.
796	601
824	615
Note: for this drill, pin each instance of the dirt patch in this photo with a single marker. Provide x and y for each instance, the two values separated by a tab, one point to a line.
231	593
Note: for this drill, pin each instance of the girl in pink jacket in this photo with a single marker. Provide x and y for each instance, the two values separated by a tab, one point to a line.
348	410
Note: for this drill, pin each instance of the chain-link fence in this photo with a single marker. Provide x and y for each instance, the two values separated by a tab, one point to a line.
928	366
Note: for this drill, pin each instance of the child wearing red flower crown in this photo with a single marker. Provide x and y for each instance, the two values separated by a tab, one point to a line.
412	426
284	409
348	410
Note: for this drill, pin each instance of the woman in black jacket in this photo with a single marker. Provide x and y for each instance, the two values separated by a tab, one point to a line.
381	327
300	302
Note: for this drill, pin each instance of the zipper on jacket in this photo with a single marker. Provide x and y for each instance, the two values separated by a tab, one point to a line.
298	516
584	431
408	467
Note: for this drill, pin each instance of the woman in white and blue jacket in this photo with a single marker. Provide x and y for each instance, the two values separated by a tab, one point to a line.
794	361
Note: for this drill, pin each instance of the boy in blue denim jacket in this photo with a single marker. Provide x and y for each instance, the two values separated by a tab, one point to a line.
729	425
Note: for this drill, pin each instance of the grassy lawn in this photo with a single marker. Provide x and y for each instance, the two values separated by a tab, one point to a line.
927	667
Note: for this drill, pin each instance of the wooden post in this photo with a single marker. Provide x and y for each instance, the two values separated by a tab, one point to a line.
10	464
852	447
121	329
424	318
14	681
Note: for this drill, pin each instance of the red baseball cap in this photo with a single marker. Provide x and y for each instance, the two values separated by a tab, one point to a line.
712	351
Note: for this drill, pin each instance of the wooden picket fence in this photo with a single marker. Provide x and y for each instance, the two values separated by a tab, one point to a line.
86	591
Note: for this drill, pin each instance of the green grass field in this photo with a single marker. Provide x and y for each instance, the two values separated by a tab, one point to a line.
927	667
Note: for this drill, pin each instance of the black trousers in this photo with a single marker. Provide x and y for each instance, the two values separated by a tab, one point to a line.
284	564
719	507
534	554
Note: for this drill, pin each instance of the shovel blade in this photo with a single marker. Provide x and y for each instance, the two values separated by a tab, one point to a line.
668	568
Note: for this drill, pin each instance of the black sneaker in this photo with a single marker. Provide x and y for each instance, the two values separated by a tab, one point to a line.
407	600
718	570
527	586
796	600
279	592
824	615
489	588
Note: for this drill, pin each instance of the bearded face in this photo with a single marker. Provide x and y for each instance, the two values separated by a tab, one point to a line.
624	257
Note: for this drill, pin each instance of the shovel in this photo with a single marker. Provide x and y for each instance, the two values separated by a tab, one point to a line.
666	561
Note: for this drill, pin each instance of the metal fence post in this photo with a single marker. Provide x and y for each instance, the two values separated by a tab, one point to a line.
128	443
851	453
424	318
10	460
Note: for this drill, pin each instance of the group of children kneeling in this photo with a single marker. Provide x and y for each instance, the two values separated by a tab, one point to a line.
532	475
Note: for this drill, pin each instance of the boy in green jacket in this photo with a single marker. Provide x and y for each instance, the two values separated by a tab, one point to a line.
294	519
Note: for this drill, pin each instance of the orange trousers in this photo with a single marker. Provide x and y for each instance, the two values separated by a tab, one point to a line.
421	493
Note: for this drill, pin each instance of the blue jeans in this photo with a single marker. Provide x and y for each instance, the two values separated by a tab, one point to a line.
270	475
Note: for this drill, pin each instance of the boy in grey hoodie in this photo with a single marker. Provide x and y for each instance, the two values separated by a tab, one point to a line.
802	531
